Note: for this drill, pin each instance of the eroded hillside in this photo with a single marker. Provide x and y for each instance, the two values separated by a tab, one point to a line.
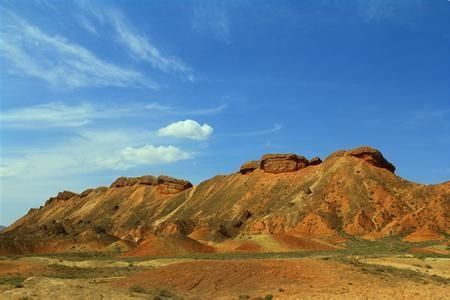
280	202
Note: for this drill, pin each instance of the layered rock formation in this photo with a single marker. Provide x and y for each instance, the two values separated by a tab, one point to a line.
315	161
281	196
372	156
368	154
170	185
279	163
282	163
65	195
130	181
250	166
165	184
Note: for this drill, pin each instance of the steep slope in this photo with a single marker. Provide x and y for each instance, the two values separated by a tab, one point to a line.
283	196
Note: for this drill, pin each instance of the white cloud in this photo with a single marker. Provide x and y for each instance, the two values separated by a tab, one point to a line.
86	24
212	18
275	128
86	152
206	111
177	111
428	117
57	114
159	107
147	154
13	169
137	43
378	10
189	129
53	58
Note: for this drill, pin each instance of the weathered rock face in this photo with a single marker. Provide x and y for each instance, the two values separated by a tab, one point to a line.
372	156
65	195
368	154
170	185
120	182
250	166
130	181
165	184
282	163
337	153
315	161
148	180
85	193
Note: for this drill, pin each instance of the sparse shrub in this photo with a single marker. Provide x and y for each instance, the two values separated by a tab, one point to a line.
244	297
12	280
136	289
166	293
268	297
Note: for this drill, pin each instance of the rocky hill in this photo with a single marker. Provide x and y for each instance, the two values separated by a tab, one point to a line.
281	202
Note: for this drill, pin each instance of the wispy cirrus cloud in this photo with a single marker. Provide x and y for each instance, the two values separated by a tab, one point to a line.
87	24
58	114
186	112
212	18
428	117
62	115
375	10
32	52
273	129
137	44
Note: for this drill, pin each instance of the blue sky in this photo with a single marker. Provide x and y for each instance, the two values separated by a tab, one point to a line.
93	90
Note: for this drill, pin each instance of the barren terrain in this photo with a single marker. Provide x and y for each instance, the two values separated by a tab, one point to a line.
380	271
283	227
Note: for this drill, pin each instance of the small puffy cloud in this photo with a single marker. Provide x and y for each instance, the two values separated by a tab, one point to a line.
188	129
148	154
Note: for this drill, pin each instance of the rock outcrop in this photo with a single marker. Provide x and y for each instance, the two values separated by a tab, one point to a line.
282	163
372	156
85	193
165	184
315	161
171	185
368	154
335	154
249	166
65	195
130	181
